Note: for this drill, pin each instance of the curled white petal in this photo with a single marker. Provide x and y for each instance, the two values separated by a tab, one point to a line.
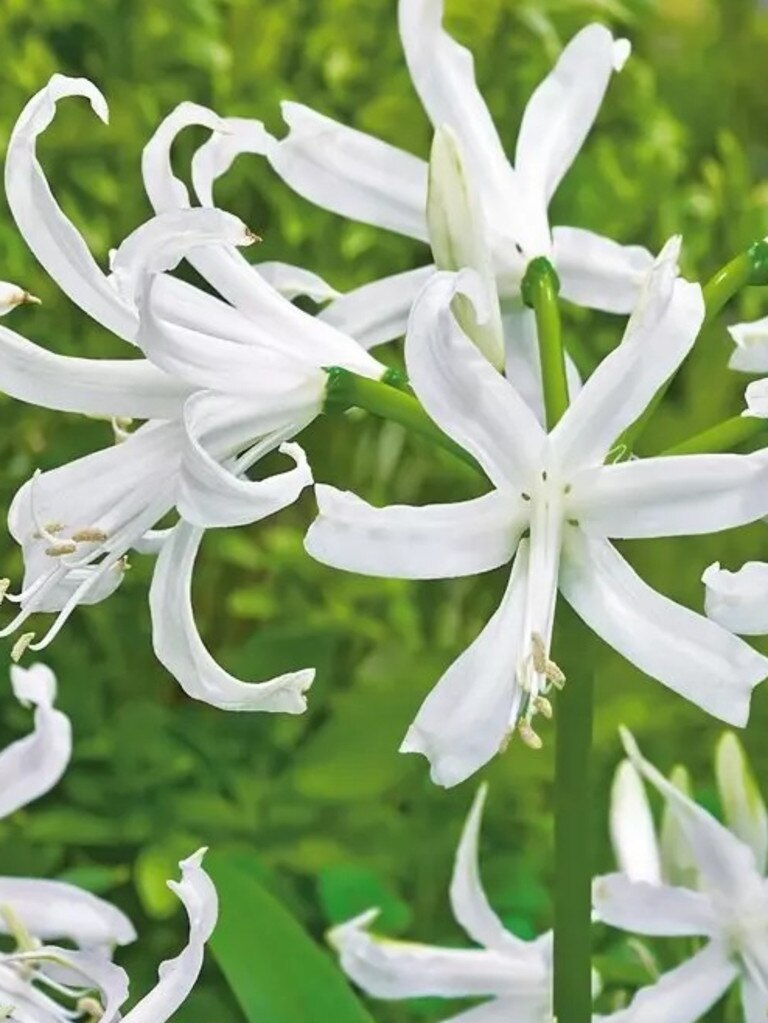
738	600
756	396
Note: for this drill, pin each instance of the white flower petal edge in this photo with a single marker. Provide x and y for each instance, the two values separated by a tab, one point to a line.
751	352
31	766
743	806
756	396
180	649
684	994
54	240
738	600
468	716
598	272
653	909
633	834
686	652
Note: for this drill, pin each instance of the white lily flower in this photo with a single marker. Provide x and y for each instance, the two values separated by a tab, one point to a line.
729	908
515	974
559	490
361	177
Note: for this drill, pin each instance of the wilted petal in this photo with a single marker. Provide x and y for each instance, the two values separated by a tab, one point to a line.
213	489
743	806
397	969
110	387
660	333
467	717
685	651
654	910
31	766
738	600
55	241
378	312
682	495
180	649
751	353
562	110
468	899
633	832
597	272
726	864
448	372
351	173
682	995
438	541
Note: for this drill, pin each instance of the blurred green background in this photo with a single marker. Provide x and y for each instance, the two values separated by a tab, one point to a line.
333	816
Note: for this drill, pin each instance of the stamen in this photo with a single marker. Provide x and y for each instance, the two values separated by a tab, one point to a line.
74	599
20	646
531	739
24	940
43	532
50	528
541	705
91	535
91	1008
543	665
121	428
4	584
61	547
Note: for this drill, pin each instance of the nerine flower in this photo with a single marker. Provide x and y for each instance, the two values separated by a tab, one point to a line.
727	906
366	179
553	510
515	974
34	911
222	388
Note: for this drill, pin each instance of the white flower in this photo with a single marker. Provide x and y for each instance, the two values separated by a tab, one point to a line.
361	177
222	388
751	340
558	491
728	907
516	974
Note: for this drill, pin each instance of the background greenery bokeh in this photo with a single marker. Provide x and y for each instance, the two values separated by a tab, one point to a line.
334	817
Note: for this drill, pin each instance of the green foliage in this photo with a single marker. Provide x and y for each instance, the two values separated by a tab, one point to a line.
337	818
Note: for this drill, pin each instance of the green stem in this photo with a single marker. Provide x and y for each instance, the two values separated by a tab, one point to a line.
539	290
726	436
346	390
573	853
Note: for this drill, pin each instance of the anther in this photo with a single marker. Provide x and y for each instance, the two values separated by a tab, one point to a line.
60	548
4	584
48	530
90	1007
543	665
252	237
21	644
91	535
531	739
543	706
121	427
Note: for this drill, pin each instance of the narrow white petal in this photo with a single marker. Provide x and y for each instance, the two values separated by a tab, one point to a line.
655	910
738	600
31	766
443	74
177	976
725	863
448	372
236	136
598	272
54	240
754	1001
531	1008
468	899
743	806
561	112
213	489
633	832
466	718
751	352
438	541
685	651
165	191
109	387
378	312
660	333
294	281
180	649
52	909
756	397
682	495
398	969
682	995
351	173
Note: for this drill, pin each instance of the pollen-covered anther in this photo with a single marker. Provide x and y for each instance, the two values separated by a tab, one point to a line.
543	706
90	1007
90	535
121	427
21	644
60	548
531	738
48	530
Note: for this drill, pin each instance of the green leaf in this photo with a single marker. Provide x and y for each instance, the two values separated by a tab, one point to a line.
275	970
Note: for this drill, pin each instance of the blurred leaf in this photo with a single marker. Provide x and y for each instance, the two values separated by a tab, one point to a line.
348	890
275	970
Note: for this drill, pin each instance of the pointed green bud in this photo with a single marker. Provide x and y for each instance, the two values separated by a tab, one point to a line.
743	806
458	238
678	866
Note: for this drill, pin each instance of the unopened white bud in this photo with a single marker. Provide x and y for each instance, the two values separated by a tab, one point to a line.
12	295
